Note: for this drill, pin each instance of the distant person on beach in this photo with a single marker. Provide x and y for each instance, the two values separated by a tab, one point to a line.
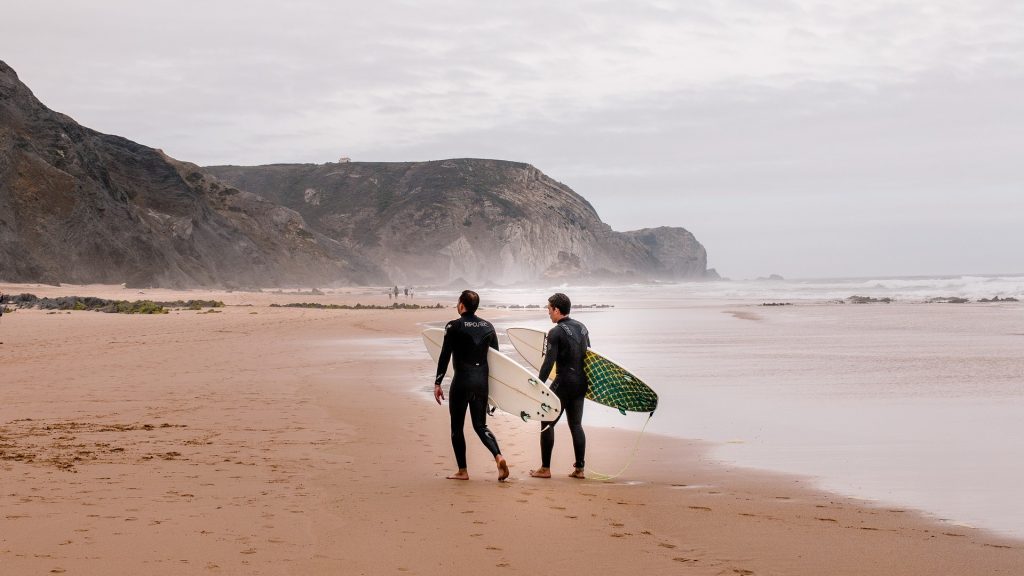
467	339
567	345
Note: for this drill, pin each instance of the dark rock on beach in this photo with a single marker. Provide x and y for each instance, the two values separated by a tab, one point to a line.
869	300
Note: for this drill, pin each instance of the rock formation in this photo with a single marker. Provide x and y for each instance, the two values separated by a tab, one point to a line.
482	221
79	206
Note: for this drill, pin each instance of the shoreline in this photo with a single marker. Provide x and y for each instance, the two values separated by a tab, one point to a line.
235	443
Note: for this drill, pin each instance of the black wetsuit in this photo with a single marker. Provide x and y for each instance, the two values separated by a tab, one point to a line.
567	345
467	340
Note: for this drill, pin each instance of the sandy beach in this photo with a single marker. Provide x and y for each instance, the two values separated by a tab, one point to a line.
269	440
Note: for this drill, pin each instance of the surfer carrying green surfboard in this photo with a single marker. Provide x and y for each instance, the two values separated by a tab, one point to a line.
467	339
567	345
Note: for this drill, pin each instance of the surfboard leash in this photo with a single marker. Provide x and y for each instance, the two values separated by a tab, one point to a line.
595	475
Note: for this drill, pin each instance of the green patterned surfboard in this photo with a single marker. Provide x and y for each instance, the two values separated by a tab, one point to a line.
612	385
608	383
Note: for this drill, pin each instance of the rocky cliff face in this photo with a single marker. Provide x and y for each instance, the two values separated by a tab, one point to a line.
479	221
676	252
79	206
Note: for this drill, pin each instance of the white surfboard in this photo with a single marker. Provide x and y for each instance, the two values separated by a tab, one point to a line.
529	343
510	387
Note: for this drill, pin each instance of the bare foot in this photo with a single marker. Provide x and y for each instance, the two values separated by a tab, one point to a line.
541	472
462	474
578	473
502	467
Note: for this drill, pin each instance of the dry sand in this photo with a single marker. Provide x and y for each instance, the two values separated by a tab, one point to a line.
261	440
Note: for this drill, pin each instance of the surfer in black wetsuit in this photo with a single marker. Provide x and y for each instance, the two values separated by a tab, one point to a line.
567	345
468	339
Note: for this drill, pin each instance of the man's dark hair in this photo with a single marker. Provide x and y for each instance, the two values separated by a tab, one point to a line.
560	301
471	300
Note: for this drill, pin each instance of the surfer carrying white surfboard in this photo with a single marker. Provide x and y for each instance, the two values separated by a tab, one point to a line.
467	339
567	345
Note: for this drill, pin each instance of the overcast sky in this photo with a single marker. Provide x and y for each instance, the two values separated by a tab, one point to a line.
807	139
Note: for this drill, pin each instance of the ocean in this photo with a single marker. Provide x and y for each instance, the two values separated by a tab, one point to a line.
918	402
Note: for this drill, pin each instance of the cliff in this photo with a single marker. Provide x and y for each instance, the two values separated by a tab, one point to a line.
80	206
482	221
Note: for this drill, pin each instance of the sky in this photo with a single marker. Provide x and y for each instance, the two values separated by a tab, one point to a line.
805	139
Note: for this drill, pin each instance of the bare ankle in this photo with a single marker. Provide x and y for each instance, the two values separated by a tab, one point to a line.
462	474
502	467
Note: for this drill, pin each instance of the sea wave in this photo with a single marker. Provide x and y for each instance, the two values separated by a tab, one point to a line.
901	289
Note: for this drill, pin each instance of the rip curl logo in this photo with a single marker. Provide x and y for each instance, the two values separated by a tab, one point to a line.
475	324
576	332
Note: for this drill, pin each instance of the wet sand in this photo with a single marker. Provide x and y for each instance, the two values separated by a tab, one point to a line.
258	440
